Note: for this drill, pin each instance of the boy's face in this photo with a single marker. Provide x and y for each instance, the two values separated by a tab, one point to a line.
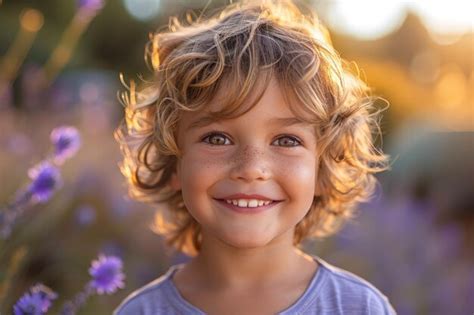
251	154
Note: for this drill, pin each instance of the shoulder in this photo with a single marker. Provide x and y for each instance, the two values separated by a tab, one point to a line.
153	297
344	292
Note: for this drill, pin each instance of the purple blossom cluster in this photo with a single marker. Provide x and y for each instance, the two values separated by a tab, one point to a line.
106	274
66	141
36	301
107	277
45	178
106	271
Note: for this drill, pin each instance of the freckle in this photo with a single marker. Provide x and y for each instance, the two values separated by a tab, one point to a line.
246	154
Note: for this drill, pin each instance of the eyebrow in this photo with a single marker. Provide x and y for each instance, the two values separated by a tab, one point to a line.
291	121
201	122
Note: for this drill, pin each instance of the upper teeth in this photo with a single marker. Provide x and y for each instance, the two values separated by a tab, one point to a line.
248	203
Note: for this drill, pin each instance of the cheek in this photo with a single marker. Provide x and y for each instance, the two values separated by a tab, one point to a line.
199	164
299	176
298	168
199	172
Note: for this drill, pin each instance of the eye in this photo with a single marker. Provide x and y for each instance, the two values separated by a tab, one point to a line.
288	141
216	138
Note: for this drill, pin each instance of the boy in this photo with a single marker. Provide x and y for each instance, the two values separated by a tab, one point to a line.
256	138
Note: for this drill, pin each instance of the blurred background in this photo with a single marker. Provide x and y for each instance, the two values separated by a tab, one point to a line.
60	62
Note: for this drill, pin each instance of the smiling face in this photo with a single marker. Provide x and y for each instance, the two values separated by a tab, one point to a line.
265	154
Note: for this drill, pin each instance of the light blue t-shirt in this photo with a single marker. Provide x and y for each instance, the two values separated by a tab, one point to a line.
331	291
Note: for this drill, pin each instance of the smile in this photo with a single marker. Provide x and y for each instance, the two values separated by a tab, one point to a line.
248	203
248	206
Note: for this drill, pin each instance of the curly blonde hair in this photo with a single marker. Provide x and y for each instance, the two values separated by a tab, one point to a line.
244	44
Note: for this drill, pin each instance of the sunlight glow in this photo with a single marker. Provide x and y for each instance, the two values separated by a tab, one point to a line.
365	19
371	19
454	16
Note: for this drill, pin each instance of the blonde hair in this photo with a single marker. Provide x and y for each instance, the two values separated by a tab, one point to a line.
244	44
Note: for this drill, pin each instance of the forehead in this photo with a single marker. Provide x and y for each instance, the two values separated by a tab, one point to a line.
268	99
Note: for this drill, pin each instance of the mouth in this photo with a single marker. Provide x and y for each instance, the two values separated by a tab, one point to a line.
248	207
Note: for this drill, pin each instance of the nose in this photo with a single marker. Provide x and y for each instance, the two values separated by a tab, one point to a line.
250	164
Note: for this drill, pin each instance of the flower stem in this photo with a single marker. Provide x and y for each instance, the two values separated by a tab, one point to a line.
12	211
71	307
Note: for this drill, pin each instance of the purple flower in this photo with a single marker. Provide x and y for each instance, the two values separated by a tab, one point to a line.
90	5
66	142
107	277
35	302
45	180
107	274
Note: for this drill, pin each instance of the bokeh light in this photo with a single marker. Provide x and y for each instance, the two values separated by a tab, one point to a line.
31	20
368	19
446	17
142	9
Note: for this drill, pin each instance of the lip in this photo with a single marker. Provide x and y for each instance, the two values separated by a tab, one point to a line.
246	210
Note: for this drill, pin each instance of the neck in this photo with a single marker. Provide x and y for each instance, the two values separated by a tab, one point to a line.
222	266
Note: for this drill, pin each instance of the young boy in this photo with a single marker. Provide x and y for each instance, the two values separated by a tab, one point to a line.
256	137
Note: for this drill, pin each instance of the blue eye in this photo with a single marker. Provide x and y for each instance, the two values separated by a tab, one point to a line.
288	141
215	139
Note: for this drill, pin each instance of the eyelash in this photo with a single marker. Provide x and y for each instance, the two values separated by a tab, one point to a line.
209	135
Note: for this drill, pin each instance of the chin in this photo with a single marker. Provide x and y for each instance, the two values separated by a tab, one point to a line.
247	242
